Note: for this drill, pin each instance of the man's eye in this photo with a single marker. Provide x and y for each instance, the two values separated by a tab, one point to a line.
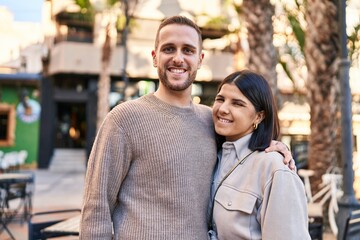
168	49
188	51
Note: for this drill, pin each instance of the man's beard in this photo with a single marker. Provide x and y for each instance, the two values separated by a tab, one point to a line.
176	87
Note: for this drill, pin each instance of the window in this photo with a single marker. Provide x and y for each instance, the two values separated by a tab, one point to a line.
299	148
7	125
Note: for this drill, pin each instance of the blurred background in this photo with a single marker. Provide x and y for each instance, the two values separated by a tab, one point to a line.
64	64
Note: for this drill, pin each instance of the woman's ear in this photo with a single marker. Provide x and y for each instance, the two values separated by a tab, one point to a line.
260	116
153	54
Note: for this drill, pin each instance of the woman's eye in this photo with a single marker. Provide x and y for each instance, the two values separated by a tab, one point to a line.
238	104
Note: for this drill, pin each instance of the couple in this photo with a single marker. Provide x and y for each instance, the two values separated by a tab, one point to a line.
150	170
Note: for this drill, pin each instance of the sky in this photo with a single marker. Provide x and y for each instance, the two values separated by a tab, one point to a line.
24	10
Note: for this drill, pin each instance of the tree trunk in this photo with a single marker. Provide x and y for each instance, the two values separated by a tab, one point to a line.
104	79
262	57
321	53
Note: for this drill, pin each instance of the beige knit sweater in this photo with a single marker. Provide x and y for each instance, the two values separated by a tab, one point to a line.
149	173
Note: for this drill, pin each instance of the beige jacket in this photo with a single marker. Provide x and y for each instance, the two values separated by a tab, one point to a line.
261	199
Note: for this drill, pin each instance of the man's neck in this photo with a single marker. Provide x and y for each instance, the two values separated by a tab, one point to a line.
175	98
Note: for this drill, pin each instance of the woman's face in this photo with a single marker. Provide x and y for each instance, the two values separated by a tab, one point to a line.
233	114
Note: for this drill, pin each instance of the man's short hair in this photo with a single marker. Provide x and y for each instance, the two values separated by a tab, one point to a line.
180	20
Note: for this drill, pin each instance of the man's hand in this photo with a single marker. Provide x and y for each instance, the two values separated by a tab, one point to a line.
284	150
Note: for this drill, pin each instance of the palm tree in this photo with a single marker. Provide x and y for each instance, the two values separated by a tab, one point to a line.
102	11
262	58
321	53
104	76
108	11
105	13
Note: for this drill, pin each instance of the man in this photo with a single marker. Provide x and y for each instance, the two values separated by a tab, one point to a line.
149	172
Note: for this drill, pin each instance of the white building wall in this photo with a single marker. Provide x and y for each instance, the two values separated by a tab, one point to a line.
20	44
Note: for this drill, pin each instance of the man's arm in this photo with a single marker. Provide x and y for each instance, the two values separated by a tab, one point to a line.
105	172
281	147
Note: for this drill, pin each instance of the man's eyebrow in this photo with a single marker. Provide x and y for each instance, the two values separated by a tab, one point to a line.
172	44
190	46
166	45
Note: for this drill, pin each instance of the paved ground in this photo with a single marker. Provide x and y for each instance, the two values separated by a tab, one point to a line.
61	187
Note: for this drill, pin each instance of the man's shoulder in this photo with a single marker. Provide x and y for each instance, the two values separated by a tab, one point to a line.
202	108
128	111
129	105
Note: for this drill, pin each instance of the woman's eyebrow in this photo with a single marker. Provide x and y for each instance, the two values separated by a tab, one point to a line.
239	100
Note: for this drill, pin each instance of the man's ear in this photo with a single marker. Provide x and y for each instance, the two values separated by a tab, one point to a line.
200	60
153	54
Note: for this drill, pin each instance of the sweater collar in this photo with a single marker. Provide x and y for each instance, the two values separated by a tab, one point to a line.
168	107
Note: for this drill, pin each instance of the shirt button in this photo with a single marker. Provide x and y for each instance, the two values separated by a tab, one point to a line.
229	203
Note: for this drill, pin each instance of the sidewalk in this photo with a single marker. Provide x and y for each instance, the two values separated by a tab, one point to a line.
59	187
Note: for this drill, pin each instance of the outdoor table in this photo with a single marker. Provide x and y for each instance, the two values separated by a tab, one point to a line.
7	214
9	178
67	227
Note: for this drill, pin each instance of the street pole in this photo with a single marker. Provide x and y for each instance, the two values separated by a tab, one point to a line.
124	40
348	201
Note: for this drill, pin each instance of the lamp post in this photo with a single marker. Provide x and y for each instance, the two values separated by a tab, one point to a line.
348	201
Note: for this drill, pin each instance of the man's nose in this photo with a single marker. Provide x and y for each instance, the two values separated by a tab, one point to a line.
178	58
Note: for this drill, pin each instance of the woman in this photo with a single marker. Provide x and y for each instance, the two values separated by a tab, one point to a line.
255	195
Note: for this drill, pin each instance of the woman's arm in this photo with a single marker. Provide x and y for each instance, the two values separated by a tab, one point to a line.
284	208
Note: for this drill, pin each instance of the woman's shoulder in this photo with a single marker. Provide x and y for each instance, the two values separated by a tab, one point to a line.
270	156
271	161
271	165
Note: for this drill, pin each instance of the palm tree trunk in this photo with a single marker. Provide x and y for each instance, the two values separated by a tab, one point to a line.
262	54
321	53
104	79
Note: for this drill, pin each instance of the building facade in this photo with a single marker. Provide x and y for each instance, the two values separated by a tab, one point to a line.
19	119
72	67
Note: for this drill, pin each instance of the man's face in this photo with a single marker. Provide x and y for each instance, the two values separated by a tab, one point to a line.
177	57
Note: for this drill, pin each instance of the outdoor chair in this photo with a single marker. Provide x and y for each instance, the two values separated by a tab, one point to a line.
18	188
329	192
352	226
20	195
12	161
41	220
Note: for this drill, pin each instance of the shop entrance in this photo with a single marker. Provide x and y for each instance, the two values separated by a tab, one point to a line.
70	125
